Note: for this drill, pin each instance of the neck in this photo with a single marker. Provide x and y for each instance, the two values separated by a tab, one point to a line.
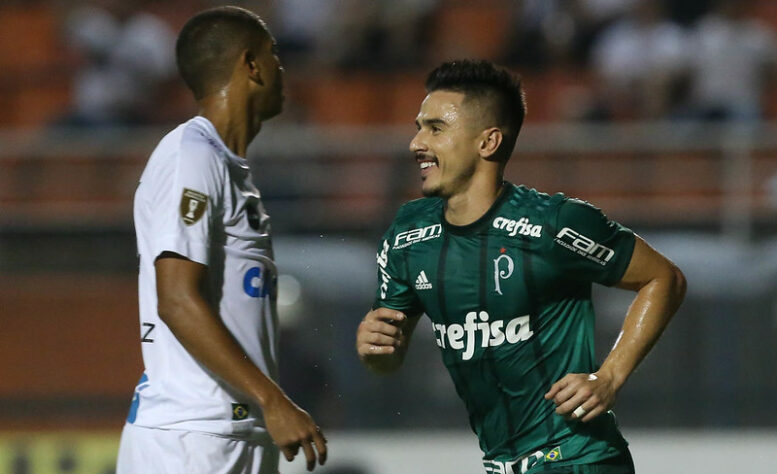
232	120
470	205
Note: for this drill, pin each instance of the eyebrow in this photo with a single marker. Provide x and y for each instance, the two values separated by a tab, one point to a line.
430	122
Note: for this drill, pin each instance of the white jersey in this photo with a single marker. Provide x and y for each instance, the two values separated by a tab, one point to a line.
196	199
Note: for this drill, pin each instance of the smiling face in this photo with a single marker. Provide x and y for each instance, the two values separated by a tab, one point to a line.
446	145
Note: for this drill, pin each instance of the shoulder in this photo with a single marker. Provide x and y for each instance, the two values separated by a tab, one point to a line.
416	220
196	146
418	212
524	194
574	211
525	212
420	208
529	202
187	145
550	206
582	219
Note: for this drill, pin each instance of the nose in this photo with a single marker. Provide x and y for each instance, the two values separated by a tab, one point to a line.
417	144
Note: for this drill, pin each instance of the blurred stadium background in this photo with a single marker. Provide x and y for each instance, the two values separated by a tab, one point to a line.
660	112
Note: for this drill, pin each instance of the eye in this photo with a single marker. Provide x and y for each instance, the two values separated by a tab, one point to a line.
436	130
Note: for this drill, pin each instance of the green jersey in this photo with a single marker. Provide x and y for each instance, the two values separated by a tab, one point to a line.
509	297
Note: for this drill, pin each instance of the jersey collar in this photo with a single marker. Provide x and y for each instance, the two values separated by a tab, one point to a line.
210	129
483	220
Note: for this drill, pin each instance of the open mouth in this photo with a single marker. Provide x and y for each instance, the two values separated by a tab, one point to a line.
427	166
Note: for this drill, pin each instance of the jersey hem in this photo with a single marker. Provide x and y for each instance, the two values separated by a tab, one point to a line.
256	433
194	251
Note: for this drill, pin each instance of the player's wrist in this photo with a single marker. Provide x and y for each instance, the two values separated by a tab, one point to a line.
381	364
612	376
267	394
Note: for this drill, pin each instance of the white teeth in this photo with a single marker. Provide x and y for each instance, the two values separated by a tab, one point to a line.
427	164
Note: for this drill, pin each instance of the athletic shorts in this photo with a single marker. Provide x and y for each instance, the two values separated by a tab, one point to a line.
156	451
618	465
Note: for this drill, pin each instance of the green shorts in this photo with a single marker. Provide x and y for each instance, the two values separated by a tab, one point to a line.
622	464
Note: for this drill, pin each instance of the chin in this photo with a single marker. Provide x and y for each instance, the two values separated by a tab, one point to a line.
430	191
271	113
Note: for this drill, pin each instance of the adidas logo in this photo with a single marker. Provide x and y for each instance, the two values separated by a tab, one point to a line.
422	283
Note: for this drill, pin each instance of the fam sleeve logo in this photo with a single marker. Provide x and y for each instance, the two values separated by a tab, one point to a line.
409	237
193	205
582	245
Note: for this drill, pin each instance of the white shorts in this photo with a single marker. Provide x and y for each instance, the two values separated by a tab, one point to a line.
156	451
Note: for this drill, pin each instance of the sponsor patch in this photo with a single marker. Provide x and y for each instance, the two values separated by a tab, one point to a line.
409	237
193	205
520	227
240	411
582	245
478	331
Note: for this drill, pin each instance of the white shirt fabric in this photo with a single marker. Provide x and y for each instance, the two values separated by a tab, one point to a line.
729	61
196	199
628	51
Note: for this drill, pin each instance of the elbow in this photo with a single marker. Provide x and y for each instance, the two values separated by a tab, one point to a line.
678	283
167	307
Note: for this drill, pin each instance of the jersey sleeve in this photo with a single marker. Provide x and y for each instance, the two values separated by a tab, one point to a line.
394	288
187	203
588	246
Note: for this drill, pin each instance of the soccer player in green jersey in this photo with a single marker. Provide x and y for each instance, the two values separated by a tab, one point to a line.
504	273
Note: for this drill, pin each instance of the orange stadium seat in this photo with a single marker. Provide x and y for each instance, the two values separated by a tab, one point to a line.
350	99
29	37
406	91
471	29
39	103
87	323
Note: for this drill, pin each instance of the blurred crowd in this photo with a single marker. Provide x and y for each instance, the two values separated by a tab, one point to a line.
622	59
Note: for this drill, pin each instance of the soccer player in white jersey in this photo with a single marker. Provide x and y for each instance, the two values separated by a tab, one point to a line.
208	400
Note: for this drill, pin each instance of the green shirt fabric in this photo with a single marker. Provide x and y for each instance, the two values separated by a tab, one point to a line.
509	297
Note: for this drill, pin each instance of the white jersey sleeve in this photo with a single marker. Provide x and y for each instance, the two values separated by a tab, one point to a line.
187	202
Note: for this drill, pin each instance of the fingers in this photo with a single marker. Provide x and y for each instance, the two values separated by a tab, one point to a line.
592	408
576	400
310	455
557	387
315	441
369	350
369	342
580	397
386	314
289	453
380	332
320	441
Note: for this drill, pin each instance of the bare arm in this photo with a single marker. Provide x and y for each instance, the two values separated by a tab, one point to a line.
660	288
383	337
183	307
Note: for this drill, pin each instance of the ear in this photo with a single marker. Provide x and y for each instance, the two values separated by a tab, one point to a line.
490	141
251	65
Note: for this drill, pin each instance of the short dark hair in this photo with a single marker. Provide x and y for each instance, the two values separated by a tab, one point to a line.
209	45
499	88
